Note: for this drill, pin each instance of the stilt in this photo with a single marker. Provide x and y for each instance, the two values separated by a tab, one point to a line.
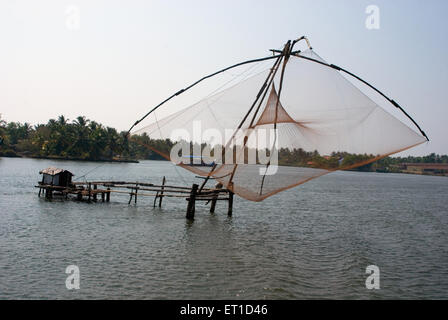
130	198
79	195
108	195
161	192
192	202
229	213
40	190
94	194
102	196
155	199
135	195
90	192
215	196
49	193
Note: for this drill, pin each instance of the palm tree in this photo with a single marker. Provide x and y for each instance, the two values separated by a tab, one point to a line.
81	133
62	121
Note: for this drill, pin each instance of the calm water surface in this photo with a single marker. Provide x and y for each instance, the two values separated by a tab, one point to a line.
314	241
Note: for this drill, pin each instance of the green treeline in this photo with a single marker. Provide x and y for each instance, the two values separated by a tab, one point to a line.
84	139
80	139
299	157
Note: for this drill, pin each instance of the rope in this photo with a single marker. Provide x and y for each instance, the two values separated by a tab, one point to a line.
84	175
161	137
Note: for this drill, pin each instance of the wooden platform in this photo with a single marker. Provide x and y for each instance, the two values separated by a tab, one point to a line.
94	191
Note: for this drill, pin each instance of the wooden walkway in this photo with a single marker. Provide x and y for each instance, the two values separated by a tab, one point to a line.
93	191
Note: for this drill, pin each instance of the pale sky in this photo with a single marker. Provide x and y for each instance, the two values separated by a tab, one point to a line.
120	58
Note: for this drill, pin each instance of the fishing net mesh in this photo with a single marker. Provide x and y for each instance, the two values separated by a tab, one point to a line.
307	120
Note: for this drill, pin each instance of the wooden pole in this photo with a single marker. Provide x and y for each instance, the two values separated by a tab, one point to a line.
207	178
49	193
213	204
130	198
135	196
155	199
90	192
108	195
161	192
191	202
229	213
95	187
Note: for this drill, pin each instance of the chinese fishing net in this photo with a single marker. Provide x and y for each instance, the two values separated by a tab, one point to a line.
275	125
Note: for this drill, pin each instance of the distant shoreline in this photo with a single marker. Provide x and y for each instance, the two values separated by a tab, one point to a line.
86	140
71	159
137	161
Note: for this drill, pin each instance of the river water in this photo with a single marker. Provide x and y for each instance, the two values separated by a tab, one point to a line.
313	241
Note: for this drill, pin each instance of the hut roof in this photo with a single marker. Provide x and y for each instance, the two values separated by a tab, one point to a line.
54	171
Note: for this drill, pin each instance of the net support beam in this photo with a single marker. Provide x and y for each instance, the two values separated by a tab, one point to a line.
197	82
